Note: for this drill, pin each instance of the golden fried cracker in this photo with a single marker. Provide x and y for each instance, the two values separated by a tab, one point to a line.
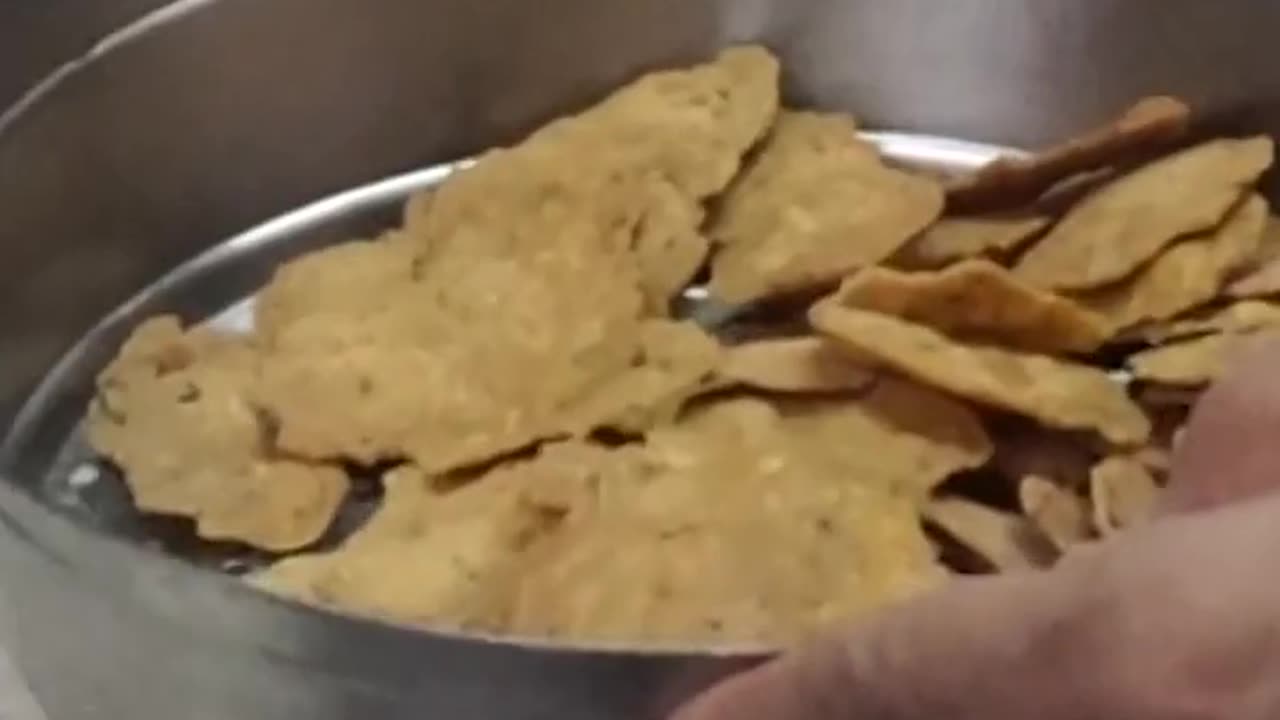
1186	275
803	364
171	411
350	279
1148	125
952	239
1059	514
641	162
751	525
816	204
977	301
674	362
1192	363
1245	316
1261	278
1112	232
458	370
1124	494
1004	541
1054	392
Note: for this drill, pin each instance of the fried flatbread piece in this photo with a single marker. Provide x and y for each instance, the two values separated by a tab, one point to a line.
1059	514
803	364
1121	226
1124	494
1262	277
978	301
1245	316
674	362
1193	363
456	372
1186	275
1003	540
644	160
1056	393
952	239
432	556
747	528
817	204
171	411
1150	124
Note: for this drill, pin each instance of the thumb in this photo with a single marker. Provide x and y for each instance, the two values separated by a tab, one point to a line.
1230	450
933	657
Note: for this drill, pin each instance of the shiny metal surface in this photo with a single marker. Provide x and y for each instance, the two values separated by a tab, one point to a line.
232	111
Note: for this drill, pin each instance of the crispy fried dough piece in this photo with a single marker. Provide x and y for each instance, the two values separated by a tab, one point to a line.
817	204
1004	541
675	361
171	412
952	239
803	364
977	301
1193	363
1056	393
643	160
1245	316
433	556
1150	124
349	279
1262	277
1112	232
1059	514
751	526
456	372
1186	275
1124	494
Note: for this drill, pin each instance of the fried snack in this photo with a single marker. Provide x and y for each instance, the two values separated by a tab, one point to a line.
349	279
750	526
1124	494
977	301
643	161
1126	223
1246	316
675	361
1192	364
171	412
817	204
429	556
1262	277
1059	514
1002	540
803	364
1056	393
498	357
1186	275
952	239
1152	123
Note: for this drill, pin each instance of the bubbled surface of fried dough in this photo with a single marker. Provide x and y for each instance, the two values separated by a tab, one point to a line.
1125	223
978	301
172	412
1054	392
816	204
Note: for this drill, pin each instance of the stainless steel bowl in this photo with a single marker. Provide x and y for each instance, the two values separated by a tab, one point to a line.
211	116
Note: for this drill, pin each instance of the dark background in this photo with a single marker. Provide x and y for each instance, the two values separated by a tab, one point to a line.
36	36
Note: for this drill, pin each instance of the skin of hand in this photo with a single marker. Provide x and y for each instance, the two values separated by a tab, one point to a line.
1178	619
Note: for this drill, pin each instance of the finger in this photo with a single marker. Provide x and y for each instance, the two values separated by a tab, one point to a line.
948	650
1231	448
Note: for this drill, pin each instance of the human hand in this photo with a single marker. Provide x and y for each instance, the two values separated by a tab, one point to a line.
1177	619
